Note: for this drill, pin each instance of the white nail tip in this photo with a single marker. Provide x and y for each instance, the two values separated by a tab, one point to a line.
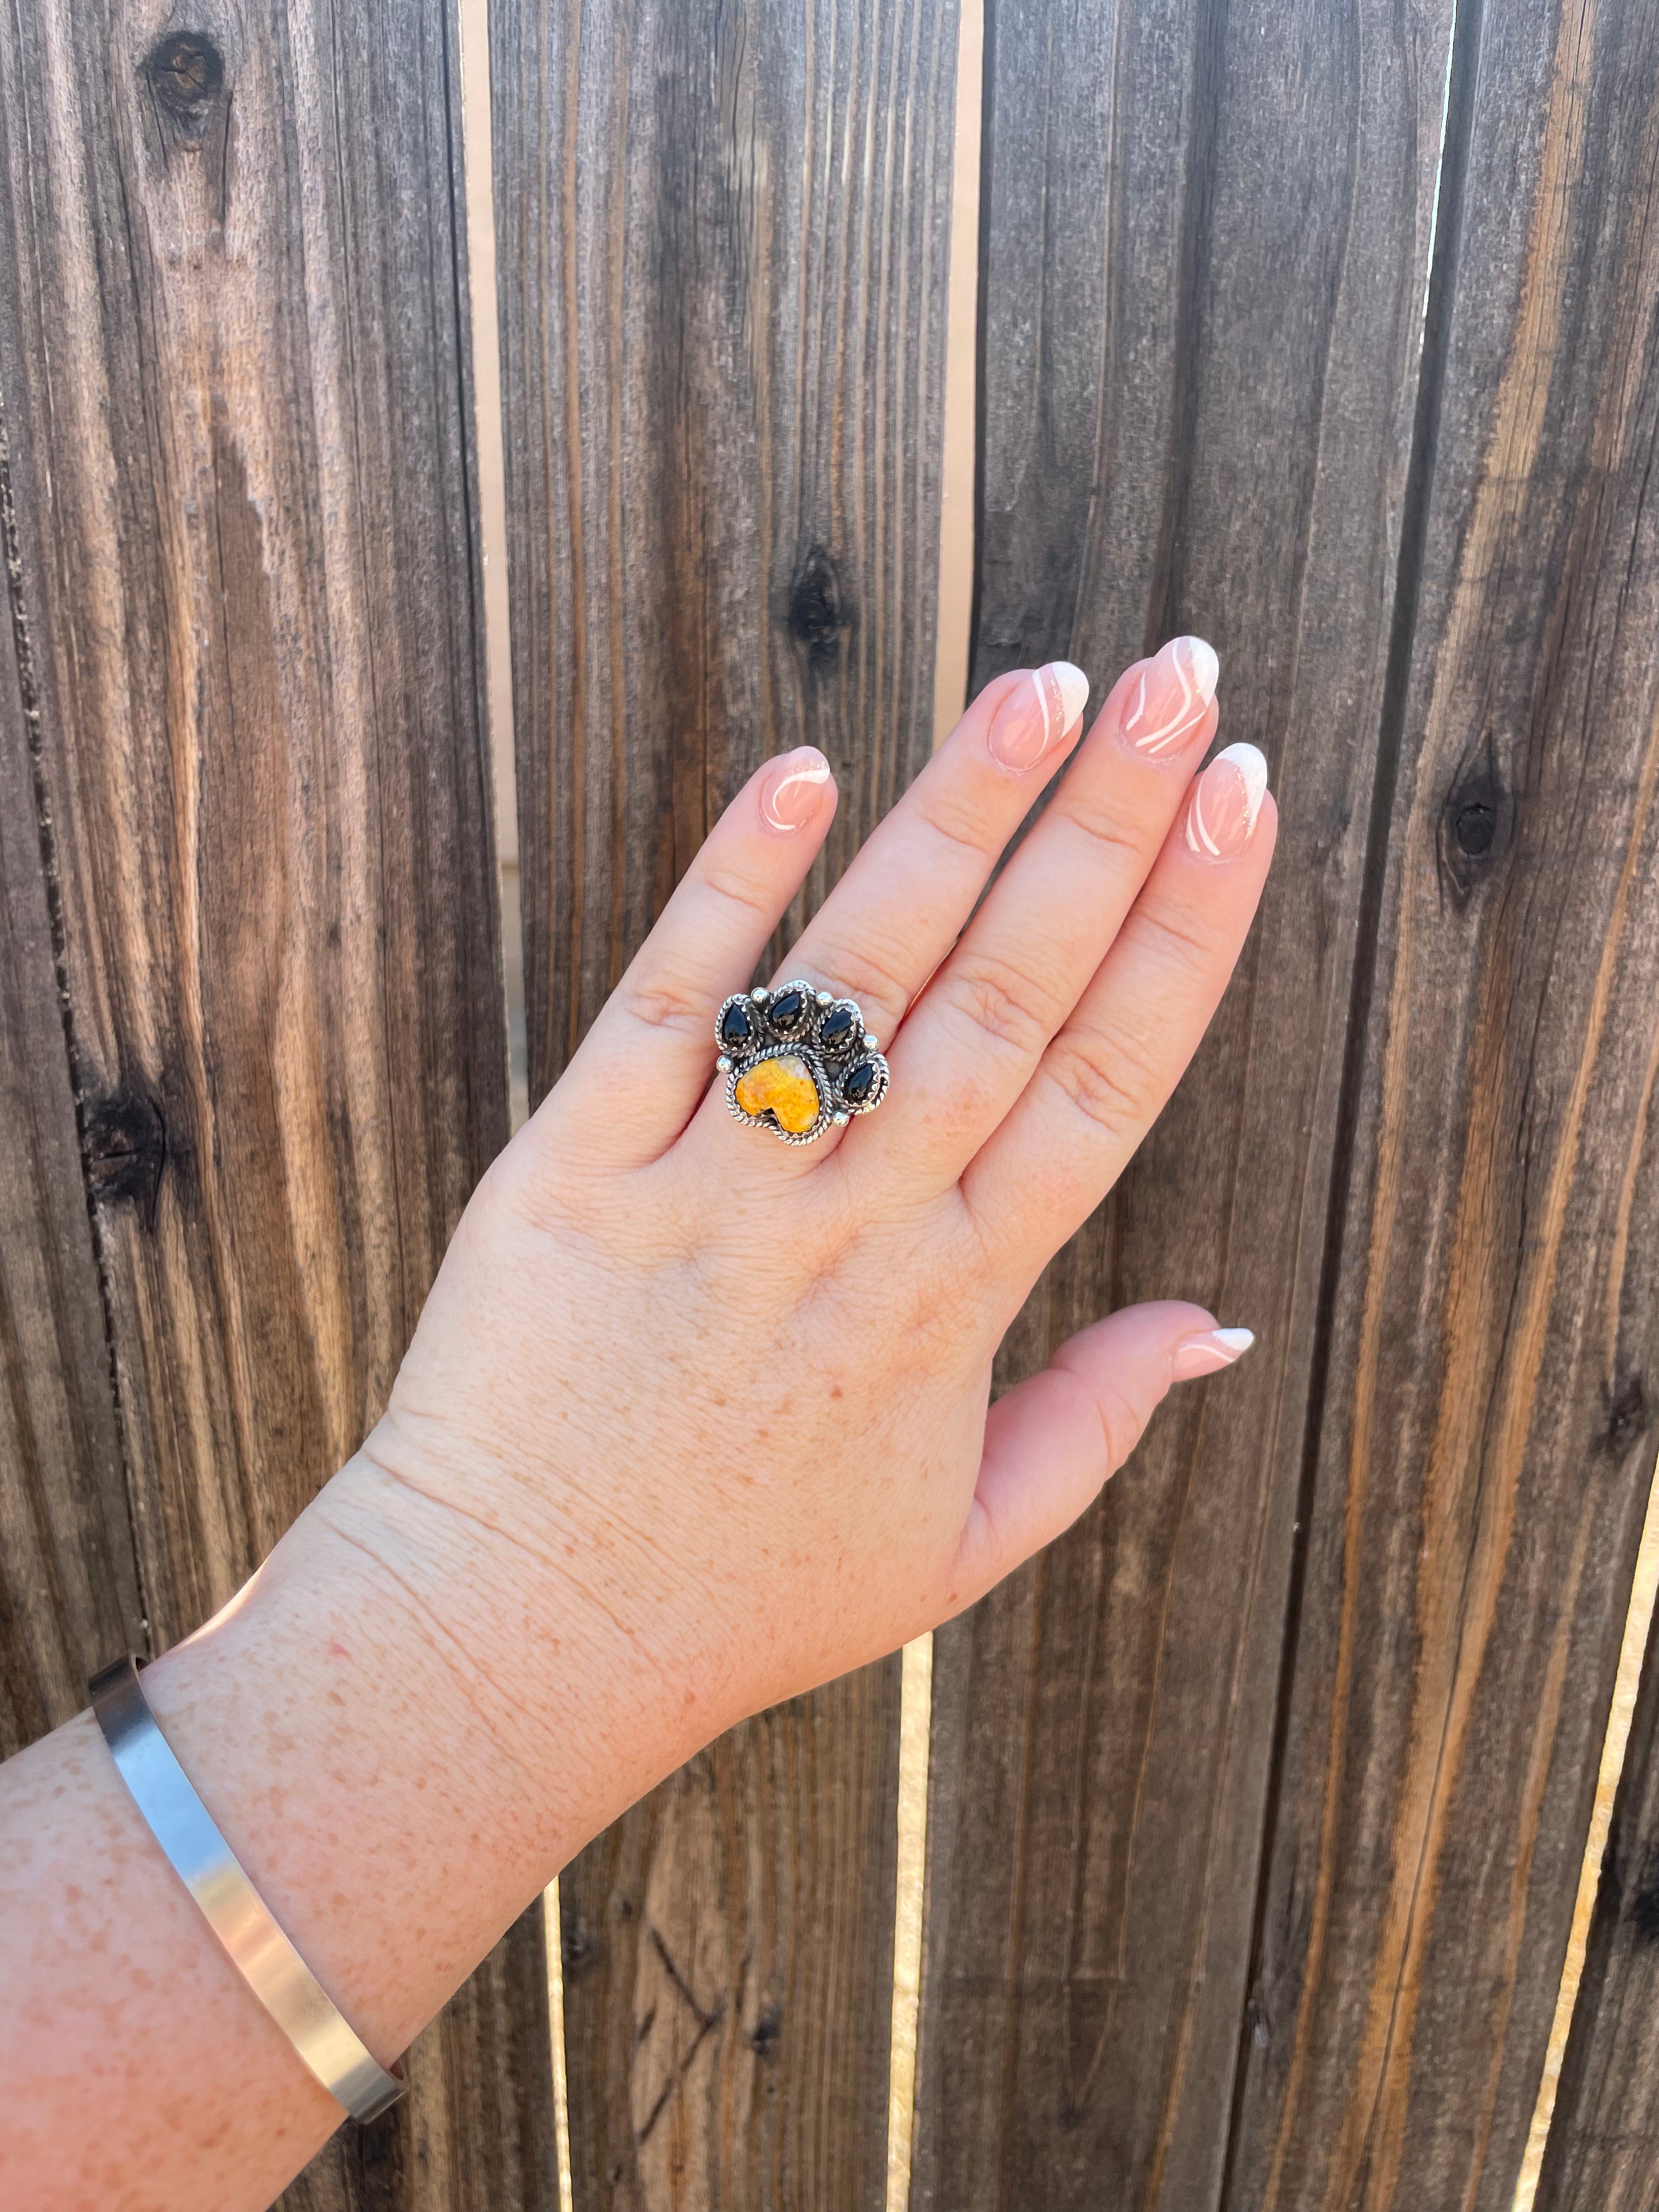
1204	664
1253	767
1073	690
1237	1341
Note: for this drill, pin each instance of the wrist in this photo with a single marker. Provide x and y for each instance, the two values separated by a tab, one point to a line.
398	1782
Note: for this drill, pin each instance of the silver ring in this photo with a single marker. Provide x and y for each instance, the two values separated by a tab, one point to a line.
797	1060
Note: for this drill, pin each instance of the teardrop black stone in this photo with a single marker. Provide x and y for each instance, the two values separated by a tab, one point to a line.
734	1025
786	1010
837	1028
859	1082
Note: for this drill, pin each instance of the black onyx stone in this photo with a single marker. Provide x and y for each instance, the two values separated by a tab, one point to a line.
859	1082
734	1025
838	1027
786	1009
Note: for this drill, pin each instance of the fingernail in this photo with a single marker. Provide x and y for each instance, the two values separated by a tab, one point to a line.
1173	691
794	789
1225	802
1036	714
1209	1351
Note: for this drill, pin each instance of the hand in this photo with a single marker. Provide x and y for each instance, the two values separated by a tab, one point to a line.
719	1404
693	1419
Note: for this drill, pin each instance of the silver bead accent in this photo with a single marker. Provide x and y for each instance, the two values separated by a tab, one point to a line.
823	998
760	995
724	1063
841	1120
869	1040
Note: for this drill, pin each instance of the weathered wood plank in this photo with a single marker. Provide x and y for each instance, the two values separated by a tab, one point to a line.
235	363
1208	243
1603	2145
728	1969
1480	1465
722	237
69	1583
476	2134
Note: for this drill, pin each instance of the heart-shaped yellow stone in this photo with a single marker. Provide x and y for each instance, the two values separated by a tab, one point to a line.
782	1087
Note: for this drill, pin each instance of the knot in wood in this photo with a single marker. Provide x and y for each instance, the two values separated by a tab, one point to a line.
1628	1415
186	73
818	610
1642	1910
127	1139
579	1949
1474	827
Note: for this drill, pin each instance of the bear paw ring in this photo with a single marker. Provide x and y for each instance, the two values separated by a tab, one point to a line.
797	1061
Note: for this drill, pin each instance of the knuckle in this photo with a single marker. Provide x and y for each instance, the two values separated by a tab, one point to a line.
949	813
1109	1082
872	974
1004	1004
735	889
666	1002
1108	831
1178	937
1120	1424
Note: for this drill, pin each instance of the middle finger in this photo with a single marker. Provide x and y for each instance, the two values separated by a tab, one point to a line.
976	1033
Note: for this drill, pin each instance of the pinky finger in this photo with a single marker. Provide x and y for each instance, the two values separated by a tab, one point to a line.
1052	1444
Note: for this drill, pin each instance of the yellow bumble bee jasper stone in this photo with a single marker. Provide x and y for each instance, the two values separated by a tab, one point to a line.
785	1087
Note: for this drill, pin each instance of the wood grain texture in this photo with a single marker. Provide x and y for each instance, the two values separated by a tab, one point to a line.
235	367
1204	275
69	1583
1208	244
1482	1456
1603	2145
722	235
475	2132
728	1962
234	354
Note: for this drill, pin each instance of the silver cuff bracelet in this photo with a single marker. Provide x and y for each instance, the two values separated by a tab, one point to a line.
233	1908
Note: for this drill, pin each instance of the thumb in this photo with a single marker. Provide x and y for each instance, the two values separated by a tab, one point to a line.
1052	1442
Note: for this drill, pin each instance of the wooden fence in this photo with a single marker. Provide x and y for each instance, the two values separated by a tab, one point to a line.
1255	1807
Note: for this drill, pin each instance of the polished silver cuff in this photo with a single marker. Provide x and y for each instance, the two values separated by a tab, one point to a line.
233	1908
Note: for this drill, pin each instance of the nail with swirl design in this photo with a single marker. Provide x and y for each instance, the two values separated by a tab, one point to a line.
1227	798
1170	696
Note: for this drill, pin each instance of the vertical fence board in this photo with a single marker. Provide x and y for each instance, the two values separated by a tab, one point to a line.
1478	1477
1603	2145
235	362
722	236
69	1583
1208	242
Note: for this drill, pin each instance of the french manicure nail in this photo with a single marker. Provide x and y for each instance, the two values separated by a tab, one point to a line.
1221	814
1210	1349
794	789
1170	695
1036	714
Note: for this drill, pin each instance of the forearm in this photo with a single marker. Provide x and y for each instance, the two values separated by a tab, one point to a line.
401	1737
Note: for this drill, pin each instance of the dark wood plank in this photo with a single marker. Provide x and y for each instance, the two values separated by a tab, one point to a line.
722	238
728	1962
1484	1450
235	361
69	1582
477	2130
1208	242
1603	2147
